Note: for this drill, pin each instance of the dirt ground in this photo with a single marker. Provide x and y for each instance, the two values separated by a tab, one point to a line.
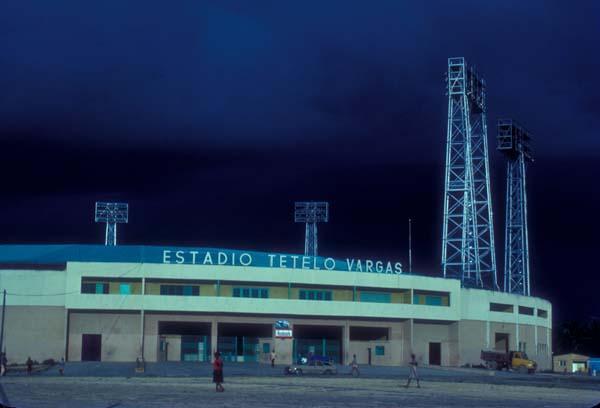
90	392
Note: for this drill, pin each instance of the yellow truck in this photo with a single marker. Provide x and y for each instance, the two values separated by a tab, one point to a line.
511	360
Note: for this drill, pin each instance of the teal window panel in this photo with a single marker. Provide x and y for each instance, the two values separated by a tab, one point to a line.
302	294
433	300
255	293
375	297
187	291
125	289
327	295
416	299
266	348
379	350
236	292
246	292
264	293
101	288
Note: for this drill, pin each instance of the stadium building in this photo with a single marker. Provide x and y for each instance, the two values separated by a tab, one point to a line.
120	303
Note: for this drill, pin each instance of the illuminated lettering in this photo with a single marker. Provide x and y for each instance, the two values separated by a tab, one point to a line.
271	258
221	258
315	266
369	265
379	266
329	263
282	261
305	262
349	263
294	259
194	253
166	256
207	259
388	268
398	267
179	256
248	258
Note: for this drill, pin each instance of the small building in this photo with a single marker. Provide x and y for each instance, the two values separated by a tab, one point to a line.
594	366
570	363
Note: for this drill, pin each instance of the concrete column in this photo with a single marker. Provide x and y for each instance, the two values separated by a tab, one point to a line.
213	336
346	342
66	354
487	334
517	329
142	319
535	328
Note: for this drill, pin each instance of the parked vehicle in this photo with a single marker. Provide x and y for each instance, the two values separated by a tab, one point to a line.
312	367
513	360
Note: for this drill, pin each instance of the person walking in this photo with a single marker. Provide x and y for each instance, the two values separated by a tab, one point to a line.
413	371
29	364
354	365
61	366
218	372
273	356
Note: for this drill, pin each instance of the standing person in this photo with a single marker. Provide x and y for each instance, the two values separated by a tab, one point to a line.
354	366
3	364
29	364
273	356
218	372
61	366
413	371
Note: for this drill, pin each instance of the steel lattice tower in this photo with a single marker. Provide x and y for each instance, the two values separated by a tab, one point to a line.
311	213
112	214
468	251
514	142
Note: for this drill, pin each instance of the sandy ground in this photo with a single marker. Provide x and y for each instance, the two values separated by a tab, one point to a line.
25	392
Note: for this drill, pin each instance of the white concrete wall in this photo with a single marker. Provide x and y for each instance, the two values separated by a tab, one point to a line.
120	334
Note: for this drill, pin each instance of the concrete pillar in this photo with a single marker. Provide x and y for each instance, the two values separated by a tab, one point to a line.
214	330
66	354
346	342
142	319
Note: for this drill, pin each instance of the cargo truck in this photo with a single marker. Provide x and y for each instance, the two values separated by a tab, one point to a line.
511	360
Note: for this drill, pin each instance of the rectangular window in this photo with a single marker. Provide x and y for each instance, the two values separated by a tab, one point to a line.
256	293
88	287
542	313
526	310
180	290
266	348
125	289
431	298
375	297
102	288
379	350
501	307
314	294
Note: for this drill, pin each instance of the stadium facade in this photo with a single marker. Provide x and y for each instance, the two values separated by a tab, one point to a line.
121	303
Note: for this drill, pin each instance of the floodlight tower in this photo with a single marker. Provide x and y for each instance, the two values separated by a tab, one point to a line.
112	214
468	251
311	213
514	142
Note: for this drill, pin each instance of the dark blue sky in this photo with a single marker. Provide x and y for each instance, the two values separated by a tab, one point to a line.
211	118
